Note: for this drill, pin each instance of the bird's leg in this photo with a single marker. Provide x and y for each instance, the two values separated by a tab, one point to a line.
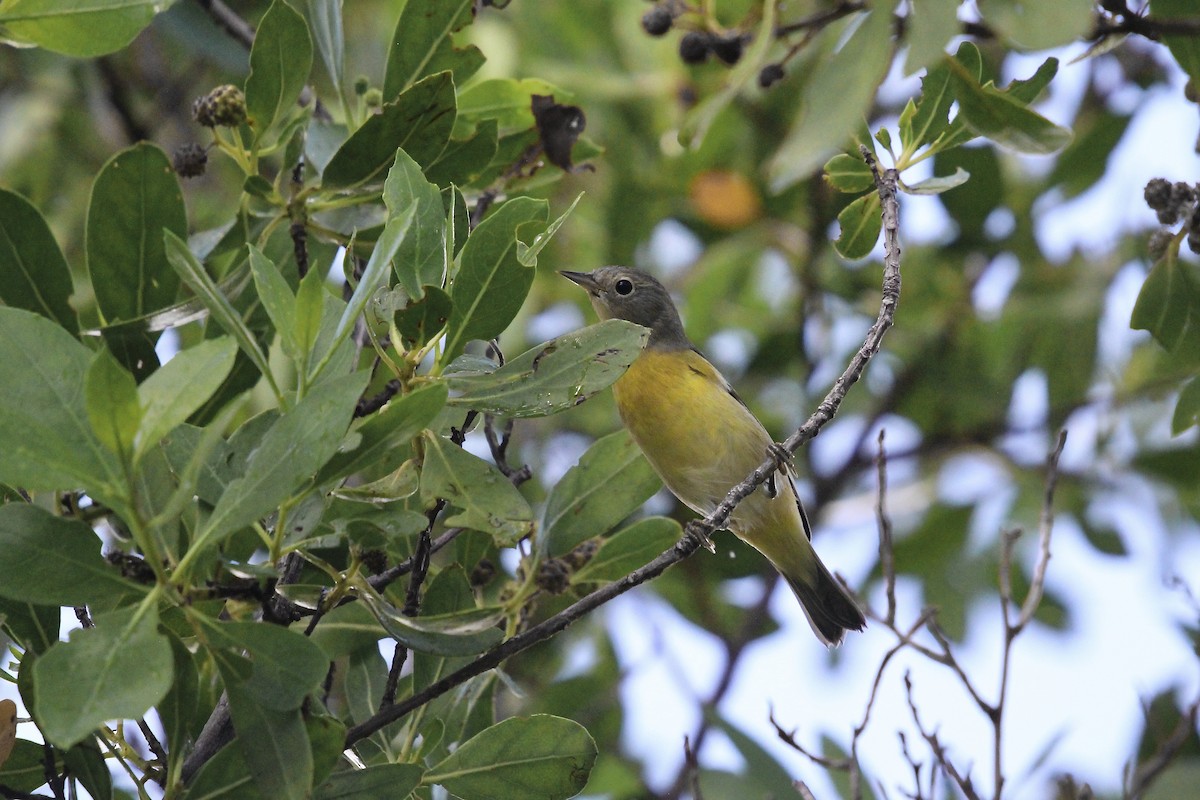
783	460
697	534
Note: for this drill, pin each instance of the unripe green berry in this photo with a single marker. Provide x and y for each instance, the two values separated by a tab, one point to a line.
224	106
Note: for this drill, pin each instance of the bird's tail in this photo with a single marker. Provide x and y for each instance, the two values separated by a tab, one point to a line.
829	608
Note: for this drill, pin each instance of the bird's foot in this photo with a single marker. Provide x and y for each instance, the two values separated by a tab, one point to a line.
697	533
783	460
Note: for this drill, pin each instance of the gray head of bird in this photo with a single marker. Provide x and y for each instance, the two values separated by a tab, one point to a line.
630	294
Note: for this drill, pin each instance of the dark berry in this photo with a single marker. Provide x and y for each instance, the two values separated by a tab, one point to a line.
1179	205
1158	193
694	47
553	576
728	48
769	75
189	160
657	21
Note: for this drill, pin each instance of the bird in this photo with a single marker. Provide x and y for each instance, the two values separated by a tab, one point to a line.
702	440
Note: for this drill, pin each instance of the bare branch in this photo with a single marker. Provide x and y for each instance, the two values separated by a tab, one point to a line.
887	560
1165	753
939	751
1045	527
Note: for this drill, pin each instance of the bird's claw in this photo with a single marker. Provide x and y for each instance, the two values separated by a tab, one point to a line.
697	533
783	459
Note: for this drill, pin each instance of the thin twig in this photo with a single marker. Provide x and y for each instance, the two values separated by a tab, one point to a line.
939	752
229	21
1045	527
887	557
1165	753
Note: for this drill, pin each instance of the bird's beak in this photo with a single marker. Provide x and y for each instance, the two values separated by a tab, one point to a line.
584	279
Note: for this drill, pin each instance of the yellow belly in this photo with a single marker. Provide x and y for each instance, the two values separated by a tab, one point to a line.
703	441
697	435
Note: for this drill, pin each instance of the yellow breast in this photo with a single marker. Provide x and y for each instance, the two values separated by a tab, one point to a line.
696	434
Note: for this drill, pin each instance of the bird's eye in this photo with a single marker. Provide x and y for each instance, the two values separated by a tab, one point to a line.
624	287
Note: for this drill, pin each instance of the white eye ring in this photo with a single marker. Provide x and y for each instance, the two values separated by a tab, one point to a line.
623	287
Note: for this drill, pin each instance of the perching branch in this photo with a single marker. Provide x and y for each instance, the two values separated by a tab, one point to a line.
886	186
228	20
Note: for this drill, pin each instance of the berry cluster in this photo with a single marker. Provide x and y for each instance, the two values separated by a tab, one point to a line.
698	43
1173	202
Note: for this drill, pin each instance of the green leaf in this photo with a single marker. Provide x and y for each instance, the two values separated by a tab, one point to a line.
223	776
193	274
419	121
119	669
33	273
1003	118
929	26
1085	161
1185	48
25	768
111	397
860	223
485	499
539	756
86	764
1168	305
848	173
527	253
628	549
421	43
838	94
81	28
932	114
280	61
939	184
32	626
505	100
46	441
610	482
287	665
274	745
395	425
291	452
325	24
419	322
491	283
463	633
180	712
1187	408
308	314
1037	25
554	376
421	258
135	201
50	560
181	386
377	782
374	276
762	775
465	159
280	304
